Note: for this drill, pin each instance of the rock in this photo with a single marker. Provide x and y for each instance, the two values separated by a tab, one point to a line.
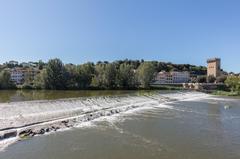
47	129
69	125
26	133
1	136
9	134
40	131
227	107
65	121
74	120
55	128
108	113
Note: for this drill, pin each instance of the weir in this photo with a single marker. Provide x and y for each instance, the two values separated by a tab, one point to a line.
27	119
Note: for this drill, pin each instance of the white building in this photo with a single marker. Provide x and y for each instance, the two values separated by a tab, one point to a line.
13	62
25	64
172	77
28	64
19	75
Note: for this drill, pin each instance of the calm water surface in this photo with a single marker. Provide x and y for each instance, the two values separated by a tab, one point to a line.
199	129
27	95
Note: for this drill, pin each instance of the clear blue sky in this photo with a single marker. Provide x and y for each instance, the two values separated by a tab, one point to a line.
179	31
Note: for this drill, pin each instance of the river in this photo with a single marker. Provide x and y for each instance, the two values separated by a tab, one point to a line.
162	124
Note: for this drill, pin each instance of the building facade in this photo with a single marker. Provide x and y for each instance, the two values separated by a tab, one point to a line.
17	75
214	67
172	77
20	75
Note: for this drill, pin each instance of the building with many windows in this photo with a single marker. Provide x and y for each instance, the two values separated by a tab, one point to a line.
17	75
172	77
20	75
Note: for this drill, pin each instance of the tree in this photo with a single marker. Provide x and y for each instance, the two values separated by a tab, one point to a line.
55	75
85	73
98	77
233	82
110	76
221	79
40	64
39	81
105	76
5	80
71	76
126	76
211	79
201	79
145	73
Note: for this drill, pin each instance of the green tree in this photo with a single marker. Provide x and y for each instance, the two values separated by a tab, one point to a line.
85	73
221	79
211	79
98	77
126	76
110	73
105	76
71	76
145	73
5	80
40	64
201	79
55	75
233	82
39	81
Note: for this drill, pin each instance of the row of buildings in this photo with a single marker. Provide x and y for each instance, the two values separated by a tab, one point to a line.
174	77
23	64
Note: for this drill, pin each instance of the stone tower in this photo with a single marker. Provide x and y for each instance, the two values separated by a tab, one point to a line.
214	67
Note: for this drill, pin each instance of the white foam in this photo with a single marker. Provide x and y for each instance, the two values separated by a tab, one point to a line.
18	114
5	143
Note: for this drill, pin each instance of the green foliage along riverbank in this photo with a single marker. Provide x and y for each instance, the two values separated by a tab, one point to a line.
122	74
90	76
226	93
5	80
233	83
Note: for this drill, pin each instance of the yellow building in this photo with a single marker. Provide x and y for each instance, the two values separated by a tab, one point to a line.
214	67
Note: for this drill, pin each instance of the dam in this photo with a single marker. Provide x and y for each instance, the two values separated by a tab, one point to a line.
30	118
137	125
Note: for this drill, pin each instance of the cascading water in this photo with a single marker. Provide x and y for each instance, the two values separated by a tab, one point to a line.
39	117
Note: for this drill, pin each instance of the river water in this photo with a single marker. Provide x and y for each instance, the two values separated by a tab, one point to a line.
190	126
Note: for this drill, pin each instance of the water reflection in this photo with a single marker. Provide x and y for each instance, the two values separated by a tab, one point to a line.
25	95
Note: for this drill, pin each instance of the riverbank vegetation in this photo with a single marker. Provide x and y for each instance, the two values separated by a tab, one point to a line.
233	85
121	74
226	93
5	82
